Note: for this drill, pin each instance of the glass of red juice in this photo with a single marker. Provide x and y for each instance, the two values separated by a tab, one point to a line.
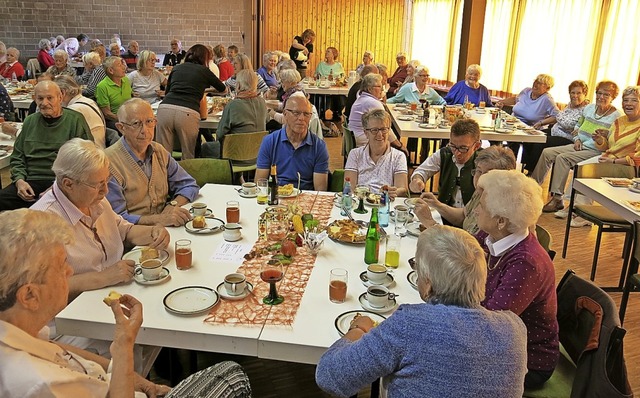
271	273
233	211
338	285
183	254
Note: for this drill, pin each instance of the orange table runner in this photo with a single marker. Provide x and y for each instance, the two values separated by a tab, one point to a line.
251	311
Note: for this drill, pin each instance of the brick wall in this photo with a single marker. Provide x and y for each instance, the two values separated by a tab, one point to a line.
153	23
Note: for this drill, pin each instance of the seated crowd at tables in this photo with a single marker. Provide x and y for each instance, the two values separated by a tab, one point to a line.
101	194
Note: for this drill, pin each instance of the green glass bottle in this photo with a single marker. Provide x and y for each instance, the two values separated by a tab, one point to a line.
372	245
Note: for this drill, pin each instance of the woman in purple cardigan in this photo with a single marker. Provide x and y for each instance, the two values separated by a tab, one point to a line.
521	276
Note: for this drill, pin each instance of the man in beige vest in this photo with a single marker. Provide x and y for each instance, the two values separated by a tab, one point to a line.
147	185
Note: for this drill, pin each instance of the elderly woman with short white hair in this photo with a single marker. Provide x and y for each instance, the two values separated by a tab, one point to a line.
44	58
521	275
12	68
34	288
72	98
469	89
146	80
448	346
369	99
367	59
268	69
533	103
61	66
93	62
413	92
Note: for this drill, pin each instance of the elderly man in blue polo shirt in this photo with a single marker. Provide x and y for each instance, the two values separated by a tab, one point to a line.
294	150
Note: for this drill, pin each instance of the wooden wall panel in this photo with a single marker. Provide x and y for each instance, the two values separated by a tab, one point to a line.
352	26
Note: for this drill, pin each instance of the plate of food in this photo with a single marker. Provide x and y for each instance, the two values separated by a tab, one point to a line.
405	118
288	191
618	182
140	254
343	321
633	204
415	228
204	225
347	231
372	199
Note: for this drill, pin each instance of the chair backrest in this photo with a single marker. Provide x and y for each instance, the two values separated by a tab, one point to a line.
348	142
599	170
242	147
111	137
336	180
33	67
545	240
214	171
591	334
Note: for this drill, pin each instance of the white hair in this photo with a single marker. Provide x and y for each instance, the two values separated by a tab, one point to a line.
78	158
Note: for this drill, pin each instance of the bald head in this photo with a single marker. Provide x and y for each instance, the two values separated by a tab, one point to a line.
132	107
48	97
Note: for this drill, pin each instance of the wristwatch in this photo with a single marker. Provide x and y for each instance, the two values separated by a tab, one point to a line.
173	203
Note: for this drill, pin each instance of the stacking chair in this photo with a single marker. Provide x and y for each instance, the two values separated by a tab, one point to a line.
214	171
633	280
336	180
33	68
603	218
348	143
591	360
545	240
242	150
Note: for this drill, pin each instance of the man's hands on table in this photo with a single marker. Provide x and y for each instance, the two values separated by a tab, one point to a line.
174	216
120	272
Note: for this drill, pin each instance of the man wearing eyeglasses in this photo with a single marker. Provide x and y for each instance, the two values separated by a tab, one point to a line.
143	173
35	149
454	162
296	152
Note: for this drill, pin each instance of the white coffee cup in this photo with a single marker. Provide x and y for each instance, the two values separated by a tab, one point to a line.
379	296
249	188
199	209
376	273
150	269
232	232
235	284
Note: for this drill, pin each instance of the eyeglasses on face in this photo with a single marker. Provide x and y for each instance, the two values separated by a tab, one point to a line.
461	149
376	131
137	125
299	113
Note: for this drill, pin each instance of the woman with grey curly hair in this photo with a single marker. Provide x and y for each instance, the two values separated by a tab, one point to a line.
447	346
521	276
44	57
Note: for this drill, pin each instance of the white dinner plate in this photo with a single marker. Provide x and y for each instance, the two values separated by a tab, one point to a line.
223	292
190	300
506	131
405	118
295	193
164	276
343	321
413	228
213	225
412	277
137	252
426	126
411	202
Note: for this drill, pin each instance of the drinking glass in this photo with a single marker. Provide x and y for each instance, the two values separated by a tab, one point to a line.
233	211
271	273
263	191
400	218
392	256
277	222
338	285
361	192
183	254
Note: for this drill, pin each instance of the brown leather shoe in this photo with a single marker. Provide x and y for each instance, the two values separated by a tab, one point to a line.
553	205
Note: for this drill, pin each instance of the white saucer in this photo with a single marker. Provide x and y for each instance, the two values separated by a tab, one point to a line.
365	304
247	196
405	118
208	213
632	189
412	277
426	126
223	292
164	276
365	280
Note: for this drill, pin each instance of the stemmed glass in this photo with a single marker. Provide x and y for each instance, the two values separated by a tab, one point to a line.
272	272
361	192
